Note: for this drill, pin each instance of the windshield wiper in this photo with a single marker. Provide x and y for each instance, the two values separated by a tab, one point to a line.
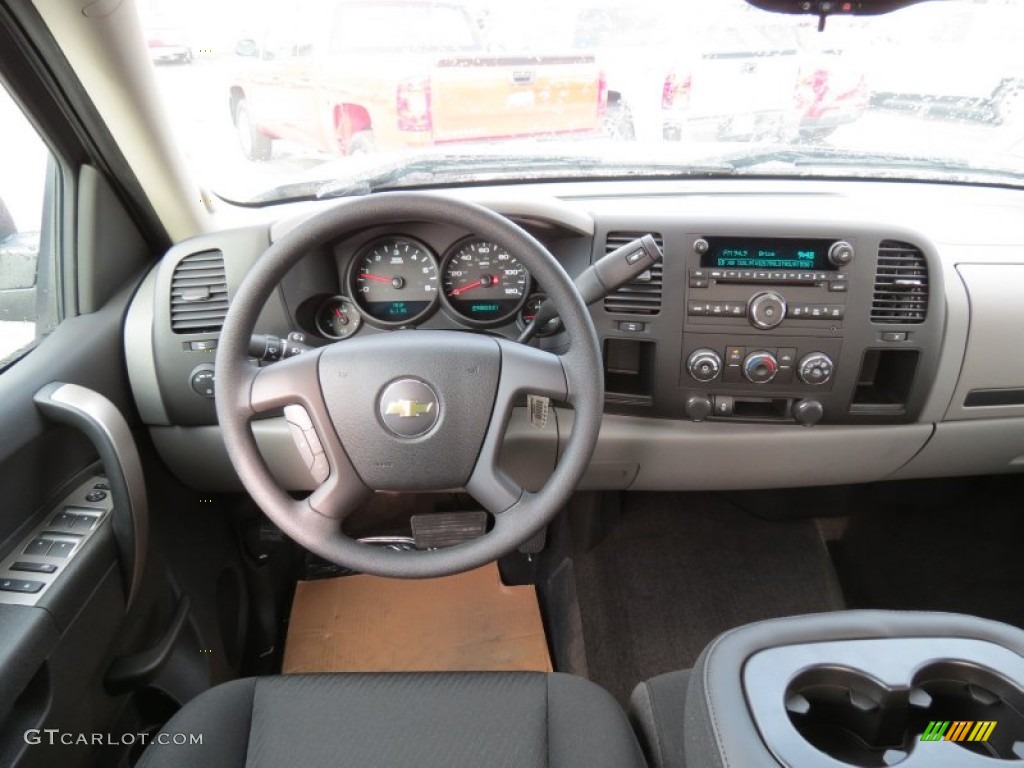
811	160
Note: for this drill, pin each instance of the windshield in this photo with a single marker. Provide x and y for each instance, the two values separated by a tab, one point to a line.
315	98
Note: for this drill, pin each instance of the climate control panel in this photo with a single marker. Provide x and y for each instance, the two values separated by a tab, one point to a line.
751	364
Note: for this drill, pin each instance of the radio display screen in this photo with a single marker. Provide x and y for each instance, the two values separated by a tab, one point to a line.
773	253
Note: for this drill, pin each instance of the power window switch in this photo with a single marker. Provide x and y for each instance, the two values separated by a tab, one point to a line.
38	546
28	567
62	548
20	585
62	521
84	523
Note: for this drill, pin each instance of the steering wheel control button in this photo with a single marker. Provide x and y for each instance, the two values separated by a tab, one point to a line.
704	365
760	367
815	369
766	310
409	408
307	442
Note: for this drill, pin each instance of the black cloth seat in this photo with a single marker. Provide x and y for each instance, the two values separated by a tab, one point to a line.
497	720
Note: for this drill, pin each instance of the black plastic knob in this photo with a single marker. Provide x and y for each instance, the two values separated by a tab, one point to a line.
698	407
808	412
841	253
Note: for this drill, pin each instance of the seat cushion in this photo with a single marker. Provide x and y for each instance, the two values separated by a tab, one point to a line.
445	720
657	710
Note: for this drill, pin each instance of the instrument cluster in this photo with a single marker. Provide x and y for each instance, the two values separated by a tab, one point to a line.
397	281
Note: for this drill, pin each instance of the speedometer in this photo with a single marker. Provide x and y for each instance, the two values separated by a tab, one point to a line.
483	283
394	280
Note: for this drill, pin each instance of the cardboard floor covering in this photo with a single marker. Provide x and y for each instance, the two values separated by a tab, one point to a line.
468	622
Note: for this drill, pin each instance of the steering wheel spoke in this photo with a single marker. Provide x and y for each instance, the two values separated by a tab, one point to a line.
524	371
294	385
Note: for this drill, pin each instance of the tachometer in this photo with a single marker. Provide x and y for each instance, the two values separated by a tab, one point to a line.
394	280
483	283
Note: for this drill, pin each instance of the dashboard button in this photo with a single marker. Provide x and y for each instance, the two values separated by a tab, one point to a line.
724	405
734	355
696	309
697	282
62	521
632	326
786	356
838	287
894	336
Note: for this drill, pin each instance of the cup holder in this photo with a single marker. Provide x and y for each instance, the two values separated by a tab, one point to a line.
860	721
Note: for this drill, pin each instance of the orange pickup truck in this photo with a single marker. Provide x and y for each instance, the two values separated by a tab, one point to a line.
329	78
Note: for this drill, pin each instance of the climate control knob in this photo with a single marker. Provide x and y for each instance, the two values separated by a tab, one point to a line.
704	364
815	368
760	367
766	310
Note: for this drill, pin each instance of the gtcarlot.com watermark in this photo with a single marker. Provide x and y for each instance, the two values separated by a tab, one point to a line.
54	736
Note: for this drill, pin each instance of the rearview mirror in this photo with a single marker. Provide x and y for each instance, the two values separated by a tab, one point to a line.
833	7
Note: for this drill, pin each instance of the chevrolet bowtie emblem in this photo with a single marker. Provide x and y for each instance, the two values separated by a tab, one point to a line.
408	409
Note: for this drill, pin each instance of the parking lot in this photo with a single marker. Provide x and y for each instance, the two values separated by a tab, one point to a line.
197	101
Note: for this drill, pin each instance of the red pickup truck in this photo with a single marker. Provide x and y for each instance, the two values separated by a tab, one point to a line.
329	78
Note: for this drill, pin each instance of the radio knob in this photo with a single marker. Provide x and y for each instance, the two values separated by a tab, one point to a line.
704	364
815	368
760	367
701	246
840	253
766	310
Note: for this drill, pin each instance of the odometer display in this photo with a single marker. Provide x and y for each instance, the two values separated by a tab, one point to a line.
394	280
483	283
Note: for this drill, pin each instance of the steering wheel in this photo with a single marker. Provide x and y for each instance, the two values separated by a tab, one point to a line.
410	410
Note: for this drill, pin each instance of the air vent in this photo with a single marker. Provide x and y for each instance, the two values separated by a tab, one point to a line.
643	295
199	293
901	284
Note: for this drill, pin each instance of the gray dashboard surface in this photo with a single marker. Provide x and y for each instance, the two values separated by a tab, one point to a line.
969	235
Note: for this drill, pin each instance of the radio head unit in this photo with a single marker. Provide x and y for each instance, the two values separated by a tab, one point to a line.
776	253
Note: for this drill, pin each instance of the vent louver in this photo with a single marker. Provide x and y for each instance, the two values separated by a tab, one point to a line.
901	284
642	296
199	293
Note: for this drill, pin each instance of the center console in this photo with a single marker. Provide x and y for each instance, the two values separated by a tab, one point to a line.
851	688
800	324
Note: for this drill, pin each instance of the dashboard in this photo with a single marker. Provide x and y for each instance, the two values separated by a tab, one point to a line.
795	333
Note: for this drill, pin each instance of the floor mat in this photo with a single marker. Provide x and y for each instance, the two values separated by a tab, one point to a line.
678	569
938	546
368	624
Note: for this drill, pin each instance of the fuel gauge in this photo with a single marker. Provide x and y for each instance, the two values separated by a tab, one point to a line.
529	310
338	318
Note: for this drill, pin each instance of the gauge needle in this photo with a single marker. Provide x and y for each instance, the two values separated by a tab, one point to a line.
378	278
469	287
